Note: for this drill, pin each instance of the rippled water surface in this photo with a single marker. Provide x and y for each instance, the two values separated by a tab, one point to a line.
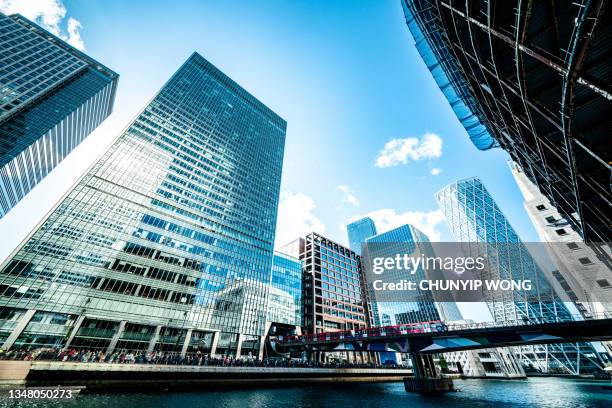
535	392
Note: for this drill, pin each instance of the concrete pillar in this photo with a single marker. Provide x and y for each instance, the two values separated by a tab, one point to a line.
262	345
431	366
154	339
115	339
75	328
21	325
239	345
262	340
186	342
213	346
418	370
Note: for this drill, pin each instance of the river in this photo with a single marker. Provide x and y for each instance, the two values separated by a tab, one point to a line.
534	392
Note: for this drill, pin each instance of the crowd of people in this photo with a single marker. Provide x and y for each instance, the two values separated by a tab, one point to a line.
169	358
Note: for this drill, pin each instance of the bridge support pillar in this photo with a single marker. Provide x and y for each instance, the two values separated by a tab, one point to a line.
425	378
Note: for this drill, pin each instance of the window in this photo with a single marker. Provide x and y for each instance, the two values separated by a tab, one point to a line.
585	261
540	207
603	283
573	246
550	219
561	231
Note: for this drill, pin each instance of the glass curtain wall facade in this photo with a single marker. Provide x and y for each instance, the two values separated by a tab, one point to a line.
405	239
359	231
166	243
532	77
52	97
285	300
474	217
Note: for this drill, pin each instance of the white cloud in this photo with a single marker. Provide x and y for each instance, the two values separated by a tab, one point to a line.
435	171
349	195
49	14
74	36
426	221
400	151
296	217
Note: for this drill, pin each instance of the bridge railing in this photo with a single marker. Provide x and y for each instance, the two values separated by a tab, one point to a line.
425	327
527	321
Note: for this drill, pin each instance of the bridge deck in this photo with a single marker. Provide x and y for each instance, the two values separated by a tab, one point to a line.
460	338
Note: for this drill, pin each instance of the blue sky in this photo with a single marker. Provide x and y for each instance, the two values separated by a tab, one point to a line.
344	74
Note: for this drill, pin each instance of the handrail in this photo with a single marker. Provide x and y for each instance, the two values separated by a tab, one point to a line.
427	327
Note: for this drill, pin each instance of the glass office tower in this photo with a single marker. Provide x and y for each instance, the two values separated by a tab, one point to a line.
285	300
51	98
166	243
474	217
405	239
359	231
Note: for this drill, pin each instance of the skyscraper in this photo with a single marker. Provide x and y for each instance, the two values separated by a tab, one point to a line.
474	217
409	240
168	237
359	231
533	78
51	98
285	300
581	271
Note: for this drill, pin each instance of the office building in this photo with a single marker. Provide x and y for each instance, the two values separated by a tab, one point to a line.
358	231
52	97
332	291
331	285
168	237
474	217
533	78
449	311
285	299
582	271
403	240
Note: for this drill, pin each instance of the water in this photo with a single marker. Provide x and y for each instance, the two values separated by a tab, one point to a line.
535	392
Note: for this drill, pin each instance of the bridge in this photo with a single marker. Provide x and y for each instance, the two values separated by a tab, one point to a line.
435	337
421	340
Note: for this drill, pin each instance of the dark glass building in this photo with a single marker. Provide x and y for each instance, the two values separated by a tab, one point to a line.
52	96
166	243
532	77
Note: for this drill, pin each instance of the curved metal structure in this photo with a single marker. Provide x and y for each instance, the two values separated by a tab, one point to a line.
536	74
